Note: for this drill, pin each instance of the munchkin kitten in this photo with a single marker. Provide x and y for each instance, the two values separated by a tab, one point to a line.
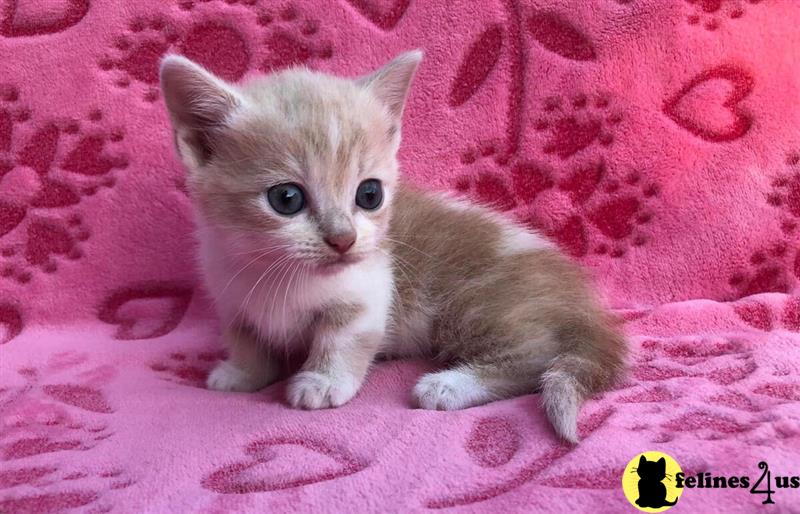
311	242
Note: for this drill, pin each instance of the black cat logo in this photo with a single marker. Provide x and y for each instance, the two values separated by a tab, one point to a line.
649	481
652	491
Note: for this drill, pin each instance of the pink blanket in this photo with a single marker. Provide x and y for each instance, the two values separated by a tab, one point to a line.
657	142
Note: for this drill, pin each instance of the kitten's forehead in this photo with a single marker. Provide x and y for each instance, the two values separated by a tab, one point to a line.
317	103
330	125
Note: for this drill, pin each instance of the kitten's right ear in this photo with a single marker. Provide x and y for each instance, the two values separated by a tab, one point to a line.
642	461
199	105
390	83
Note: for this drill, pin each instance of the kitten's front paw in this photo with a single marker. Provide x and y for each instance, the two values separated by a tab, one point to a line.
450	390
312	390
227	377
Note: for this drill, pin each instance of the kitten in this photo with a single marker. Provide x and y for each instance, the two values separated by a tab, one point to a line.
310	241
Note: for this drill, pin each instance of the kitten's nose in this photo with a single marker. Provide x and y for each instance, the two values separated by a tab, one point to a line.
341	242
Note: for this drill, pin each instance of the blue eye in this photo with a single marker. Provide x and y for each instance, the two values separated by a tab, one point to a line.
286	199
369	194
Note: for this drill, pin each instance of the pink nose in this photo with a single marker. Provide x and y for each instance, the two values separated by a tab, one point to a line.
341	242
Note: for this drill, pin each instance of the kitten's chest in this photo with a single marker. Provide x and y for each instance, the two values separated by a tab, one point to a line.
279	314
279	305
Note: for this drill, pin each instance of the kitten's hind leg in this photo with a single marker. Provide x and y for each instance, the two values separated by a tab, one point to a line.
469	385
248	367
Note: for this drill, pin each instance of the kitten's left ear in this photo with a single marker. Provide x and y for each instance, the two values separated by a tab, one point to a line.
392	82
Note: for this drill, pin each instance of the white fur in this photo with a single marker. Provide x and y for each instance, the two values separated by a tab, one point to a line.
227	377
280	306
312	390
451	390
562	399
334	135
517	240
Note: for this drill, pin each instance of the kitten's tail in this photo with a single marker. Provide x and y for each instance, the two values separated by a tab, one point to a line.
586	368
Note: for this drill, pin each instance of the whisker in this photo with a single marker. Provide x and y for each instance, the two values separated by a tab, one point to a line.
396	241
246	302
261	256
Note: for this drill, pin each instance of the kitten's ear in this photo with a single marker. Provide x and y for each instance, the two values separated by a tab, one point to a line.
662	463
642	461
392	82
199	105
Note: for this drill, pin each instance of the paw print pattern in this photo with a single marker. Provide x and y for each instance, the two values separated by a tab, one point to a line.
43	478
608	216
573	125
775	267
711	14
187	369
621	213
785	194
611	214
721	361
139	52
209	36
57	415
760	316
608	212
291	40
60	412
46	171
570	126
768	270
48	241
729	370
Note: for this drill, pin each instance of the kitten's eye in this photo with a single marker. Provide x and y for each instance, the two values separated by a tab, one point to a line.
286	199
369	194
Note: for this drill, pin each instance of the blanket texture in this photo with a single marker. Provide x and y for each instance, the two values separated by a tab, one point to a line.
657	142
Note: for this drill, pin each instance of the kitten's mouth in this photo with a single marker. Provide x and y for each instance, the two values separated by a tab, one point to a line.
339	262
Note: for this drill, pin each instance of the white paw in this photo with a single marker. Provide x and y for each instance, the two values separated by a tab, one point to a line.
450	390
312	390
227	377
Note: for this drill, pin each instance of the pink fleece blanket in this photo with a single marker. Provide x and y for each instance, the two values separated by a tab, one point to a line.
657	142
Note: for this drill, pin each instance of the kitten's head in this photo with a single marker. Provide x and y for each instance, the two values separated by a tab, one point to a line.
297	163
652	470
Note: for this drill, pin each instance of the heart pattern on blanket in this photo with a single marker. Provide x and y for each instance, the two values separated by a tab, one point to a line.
383	13
146	311
691	107
22	18
269	467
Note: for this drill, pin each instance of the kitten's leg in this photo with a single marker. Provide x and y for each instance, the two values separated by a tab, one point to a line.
470	385
248	367
346	340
